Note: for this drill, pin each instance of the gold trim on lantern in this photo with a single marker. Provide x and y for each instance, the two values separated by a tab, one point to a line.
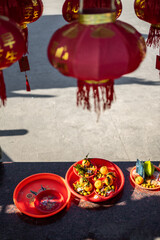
93	19
97	81
23	26
156	25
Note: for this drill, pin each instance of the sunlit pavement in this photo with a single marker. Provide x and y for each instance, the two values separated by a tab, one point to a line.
45	124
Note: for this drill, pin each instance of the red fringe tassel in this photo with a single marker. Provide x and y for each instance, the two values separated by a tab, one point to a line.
2	89
28	89
106	91
153	37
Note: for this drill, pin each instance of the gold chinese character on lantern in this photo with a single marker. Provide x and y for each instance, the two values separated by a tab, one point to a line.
11	56
1	52
8	39
28	12
35	3
35	14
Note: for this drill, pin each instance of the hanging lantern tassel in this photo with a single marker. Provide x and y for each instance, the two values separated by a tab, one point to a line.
2	88
28	89
102	91
154	36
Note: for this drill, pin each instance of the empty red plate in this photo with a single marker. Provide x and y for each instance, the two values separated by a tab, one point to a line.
32	193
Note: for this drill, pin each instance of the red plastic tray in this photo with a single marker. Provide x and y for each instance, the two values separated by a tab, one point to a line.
71	177
133	183
26	191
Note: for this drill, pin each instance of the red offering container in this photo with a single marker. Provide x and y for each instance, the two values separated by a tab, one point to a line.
32	190
133	182
71	177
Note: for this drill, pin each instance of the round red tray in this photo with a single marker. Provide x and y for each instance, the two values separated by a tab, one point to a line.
133	183
71	177
25	193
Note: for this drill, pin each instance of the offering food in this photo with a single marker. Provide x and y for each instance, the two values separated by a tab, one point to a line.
103	172
103	187
86	168
83	186
146	175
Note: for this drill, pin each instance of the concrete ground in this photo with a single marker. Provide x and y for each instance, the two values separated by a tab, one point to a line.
45	124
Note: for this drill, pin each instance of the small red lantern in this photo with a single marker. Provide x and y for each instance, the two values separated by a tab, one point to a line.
149	11
12	47
23	12
70	9
96	49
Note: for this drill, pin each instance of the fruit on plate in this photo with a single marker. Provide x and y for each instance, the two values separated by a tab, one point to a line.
83	188
151	175
98	184
103	170
83	180
86	168
88	187
149	168
100	175
108	180
105	189
86	162
139	180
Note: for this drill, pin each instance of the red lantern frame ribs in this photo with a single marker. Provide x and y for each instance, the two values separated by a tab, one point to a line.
96	49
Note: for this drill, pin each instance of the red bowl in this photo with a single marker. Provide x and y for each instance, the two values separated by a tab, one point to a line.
49	201
132	179
31	189
80	162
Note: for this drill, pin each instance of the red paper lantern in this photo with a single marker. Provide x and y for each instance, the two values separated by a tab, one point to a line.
149	11
96	49
12	47
70	8
23	12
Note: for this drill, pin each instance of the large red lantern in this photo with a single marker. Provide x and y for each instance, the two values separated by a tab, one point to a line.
149	11
70	9
23	12
12	47
96	49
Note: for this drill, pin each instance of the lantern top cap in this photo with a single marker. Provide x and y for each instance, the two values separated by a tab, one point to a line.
95	19
89	7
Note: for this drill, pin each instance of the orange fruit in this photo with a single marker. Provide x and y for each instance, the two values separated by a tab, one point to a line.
85	163
88	187
139	180
98	184
108	180
103	170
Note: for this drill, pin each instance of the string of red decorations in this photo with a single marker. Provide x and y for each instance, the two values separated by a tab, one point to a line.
12	43
23	13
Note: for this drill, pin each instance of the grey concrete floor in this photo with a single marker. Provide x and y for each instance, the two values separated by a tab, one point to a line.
45	124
